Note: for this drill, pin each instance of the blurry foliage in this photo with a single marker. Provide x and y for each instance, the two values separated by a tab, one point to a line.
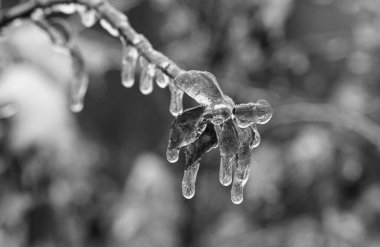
99	178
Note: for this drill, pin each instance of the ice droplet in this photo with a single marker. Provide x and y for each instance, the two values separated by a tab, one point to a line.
225	171
68	9
147	76
176	96
260	112
109	28
256	138
79	82
88	16
218	113
186	128
201	86
129	61
188	181
172	155
162	79
265	111
237	193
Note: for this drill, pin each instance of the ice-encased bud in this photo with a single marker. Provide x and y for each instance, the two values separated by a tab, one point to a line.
186	128
176	97
218	113
200	85
129	61
162	79
147	76
188	181
260	112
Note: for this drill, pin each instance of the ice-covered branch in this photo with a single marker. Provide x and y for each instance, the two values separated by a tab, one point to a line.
217	121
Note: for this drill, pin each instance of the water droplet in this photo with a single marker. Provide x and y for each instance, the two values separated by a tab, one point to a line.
172	155
176	96
88	16
109	28
129	61
146	77
188	181
162	79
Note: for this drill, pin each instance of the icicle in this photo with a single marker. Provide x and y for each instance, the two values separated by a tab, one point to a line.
256	137
176	96
88	16
225	171
188	181
129	61
172	155
68	9
109	28
193	153
228	146
79	83
242	171
147	76
260	113
162	79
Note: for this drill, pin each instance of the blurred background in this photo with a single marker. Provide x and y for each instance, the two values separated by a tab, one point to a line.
100	177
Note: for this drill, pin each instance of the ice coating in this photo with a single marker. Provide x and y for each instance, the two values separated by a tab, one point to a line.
88	16
79	82
260	112
186	128
68	8
176	96
255	142
162	79
201	86
188	181
129	61
147	76
109	28
242	171
228	146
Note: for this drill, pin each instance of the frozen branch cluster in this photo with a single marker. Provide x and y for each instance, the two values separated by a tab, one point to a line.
217	121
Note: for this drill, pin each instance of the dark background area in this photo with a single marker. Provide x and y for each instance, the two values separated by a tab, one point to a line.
100	177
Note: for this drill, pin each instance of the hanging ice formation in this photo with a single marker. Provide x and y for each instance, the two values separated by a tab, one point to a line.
217	121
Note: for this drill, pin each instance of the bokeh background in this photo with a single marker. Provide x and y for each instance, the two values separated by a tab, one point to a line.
100	177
